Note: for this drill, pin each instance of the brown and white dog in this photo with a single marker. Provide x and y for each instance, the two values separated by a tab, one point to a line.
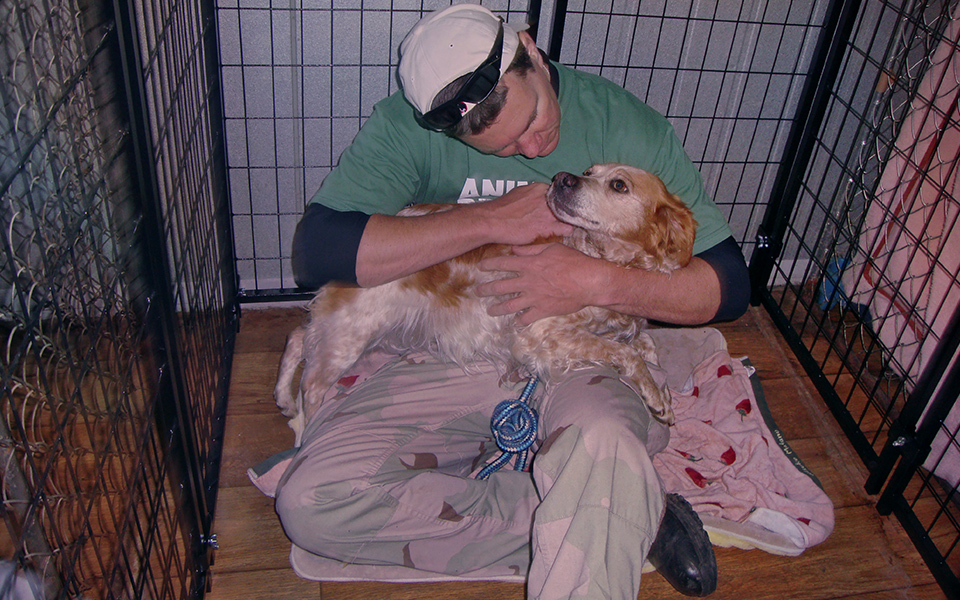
621	214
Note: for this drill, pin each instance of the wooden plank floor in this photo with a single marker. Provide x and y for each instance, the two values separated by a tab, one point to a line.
867	557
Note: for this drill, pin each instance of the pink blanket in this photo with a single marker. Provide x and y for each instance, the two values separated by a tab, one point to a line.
736	470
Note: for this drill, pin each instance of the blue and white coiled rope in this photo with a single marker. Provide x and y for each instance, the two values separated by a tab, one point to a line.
514	427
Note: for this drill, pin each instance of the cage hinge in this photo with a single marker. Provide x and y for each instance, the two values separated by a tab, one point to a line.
763	240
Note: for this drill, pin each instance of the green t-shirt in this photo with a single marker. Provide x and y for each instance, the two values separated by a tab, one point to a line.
393	162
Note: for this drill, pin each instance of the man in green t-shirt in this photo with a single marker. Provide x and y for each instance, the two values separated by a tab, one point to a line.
485	120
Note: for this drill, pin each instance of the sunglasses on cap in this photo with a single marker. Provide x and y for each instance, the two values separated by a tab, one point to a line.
474	91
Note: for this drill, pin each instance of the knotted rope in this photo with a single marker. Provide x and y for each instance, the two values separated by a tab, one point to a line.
514	427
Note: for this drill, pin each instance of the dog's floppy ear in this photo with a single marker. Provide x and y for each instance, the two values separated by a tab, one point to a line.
672	229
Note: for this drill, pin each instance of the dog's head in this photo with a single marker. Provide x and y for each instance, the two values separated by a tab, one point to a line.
625	215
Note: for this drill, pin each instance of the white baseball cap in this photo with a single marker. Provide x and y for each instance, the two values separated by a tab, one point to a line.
448	44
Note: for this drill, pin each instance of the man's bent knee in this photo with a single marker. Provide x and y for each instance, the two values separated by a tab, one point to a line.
317	516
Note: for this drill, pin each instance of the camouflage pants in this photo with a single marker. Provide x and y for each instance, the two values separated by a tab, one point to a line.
384	476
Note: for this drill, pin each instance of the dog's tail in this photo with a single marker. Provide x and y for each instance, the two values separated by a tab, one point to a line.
283	392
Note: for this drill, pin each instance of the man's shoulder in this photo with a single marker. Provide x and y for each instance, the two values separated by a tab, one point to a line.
390	129
586	78
395	102
592	90
395	111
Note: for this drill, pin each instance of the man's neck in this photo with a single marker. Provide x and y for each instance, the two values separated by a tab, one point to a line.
554	75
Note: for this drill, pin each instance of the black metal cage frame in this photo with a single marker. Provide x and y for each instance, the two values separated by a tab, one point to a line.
131	160
859	228
119	307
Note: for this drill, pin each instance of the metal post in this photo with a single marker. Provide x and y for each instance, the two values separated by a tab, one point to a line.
838	23
159	308
556	35
906	441
229	281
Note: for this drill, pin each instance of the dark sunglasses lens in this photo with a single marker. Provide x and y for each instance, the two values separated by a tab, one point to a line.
441	117
476	90
481	84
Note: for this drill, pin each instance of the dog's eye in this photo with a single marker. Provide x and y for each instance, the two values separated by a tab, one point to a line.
619	186
588	172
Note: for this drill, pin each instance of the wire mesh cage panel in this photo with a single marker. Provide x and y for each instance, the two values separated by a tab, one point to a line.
861	268
116	297
300	78
727	75
299	81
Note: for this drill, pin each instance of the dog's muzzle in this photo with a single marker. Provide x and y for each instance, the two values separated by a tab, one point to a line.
565	181
562	194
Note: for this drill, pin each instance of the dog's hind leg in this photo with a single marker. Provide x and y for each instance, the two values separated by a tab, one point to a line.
330	349
582	349
289	363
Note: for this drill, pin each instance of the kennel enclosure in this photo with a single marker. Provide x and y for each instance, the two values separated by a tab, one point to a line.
118	305
862	231
155	158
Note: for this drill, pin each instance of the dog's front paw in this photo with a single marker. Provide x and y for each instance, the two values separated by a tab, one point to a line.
660	403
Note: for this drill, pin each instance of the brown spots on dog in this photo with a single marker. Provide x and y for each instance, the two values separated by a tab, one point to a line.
675	229
430	279
422	460
475	256
456	289
337	296
664	237
439	283
547	239
448	513
448	283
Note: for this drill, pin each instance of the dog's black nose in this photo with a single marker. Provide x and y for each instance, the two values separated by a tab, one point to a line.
566	180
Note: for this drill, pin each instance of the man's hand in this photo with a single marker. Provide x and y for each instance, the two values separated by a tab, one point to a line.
551	279
521	216
548	280
392	247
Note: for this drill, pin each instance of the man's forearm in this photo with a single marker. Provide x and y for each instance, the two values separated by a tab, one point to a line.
392	247
687	296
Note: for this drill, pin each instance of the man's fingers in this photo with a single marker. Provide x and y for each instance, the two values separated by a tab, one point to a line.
498	287
497	263
528	317
529	250
507	307
509	262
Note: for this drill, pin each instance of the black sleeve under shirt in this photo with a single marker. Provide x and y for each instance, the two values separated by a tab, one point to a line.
726	259
325	246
